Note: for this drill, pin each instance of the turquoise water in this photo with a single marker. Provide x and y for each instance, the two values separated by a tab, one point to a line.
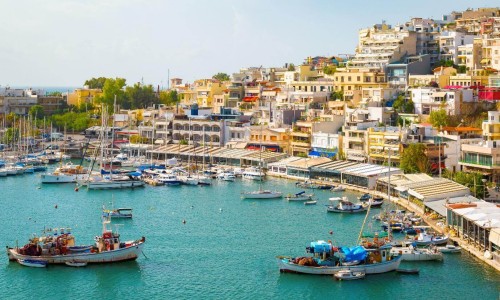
225	250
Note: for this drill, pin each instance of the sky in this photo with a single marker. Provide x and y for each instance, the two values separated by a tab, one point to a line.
64	42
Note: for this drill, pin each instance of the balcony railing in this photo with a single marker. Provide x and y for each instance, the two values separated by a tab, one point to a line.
475	162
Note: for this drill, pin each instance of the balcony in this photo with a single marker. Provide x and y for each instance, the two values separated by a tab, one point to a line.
300	144
479	164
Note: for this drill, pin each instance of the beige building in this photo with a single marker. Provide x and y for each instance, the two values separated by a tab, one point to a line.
384	142
352	81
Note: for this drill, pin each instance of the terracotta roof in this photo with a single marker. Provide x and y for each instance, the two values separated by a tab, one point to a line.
461	129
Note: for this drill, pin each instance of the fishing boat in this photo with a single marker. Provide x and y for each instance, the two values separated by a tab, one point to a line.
32	263
117	213
412	253
300	196
338	188
56	248
449	249
326	259
344	206
169	179
348	275
76	263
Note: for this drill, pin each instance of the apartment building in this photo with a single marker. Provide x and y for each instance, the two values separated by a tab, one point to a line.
484	157
427	100
83	95
490	55
206	89
449	41
385	142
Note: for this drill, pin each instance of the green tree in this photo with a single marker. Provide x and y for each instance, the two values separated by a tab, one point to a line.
338	95
403	105
329	70
414	159
221	76
438	118
169	97
473	180
55	94
291	67
139	96
96	83
112	87
36	111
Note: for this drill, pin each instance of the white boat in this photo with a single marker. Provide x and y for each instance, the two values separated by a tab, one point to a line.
68	173
262	194
311	202
169	179
188	180
114	182
204	180
301	196
348	275
449	249
412	253
3	172
226	176
58	248
344	206
76	263
254	174
338	188
32	263
423	238
117	213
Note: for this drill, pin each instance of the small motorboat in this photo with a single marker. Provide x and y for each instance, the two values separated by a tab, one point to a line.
408	271
76	263
338	188
310	202
300	196
365	197
349	275
117	213
343	205
32	263
449	249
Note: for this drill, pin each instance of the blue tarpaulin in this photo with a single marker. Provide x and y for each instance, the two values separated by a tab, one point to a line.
354	253
321	246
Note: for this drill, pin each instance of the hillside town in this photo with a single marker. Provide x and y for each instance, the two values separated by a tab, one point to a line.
413	114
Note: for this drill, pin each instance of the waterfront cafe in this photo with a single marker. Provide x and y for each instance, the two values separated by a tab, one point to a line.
300	168
279	168
348	172
474	222
215	155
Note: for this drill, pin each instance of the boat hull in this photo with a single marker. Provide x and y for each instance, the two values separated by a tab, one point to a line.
286	266
261	195
407	255
62	178
118	255
101	185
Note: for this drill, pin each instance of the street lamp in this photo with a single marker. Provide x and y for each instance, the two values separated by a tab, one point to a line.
484	187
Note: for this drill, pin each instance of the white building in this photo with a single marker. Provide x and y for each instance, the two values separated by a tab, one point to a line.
449	42
427	100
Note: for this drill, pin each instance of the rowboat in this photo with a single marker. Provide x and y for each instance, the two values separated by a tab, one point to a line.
32	263
76	263
349	275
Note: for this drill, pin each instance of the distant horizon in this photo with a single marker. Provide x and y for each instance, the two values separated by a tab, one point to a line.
192	39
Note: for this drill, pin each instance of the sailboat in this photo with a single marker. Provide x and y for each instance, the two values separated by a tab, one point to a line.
110	181
260	193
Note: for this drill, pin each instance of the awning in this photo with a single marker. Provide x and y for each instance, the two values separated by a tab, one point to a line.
250	99
437	206
401	188
485	61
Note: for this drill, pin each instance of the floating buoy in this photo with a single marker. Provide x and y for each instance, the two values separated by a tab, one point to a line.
183	221
76	189
55	206
220	209
38	187
331	232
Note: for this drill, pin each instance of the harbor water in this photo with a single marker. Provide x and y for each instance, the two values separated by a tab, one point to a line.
225	249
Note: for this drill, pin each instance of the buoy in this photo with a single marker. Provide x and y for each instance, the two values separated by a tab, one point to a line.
38	187
331	232
183	221
220	209
76	189
55	206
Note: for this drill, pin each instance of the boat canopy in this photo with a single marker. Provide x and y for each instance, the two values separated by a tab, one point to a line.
300	193
354	253
320	247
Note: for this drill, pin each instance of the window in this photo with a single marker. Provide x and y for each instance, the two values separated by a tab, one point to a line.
358	78
349	78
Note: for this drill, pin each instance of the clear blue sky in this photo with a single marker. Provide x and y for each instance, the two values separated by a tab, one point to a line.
65	42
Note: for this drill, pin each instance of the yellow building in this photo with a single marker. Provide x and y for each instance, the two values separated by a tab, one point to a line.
352	80
206	89
271	139
385	141
79	96
473	79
